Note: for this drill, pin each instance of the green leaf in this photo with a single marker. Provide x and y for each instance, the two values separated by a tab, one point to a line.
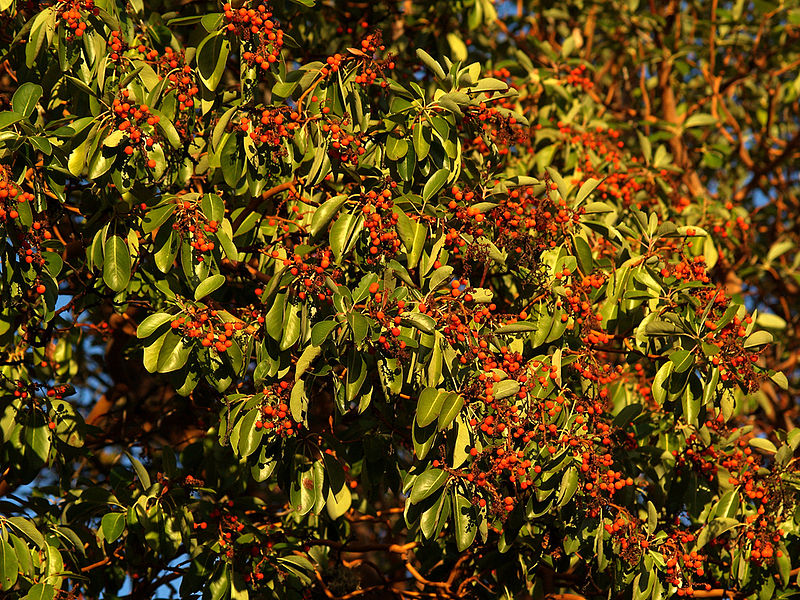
489	84
337	497
699	120
568	487
324	214
505	388
141	472
26	528
427	483
116	263
152	323
586	189
212	54
306	359
41	591
452	405
758	338
26	98
763	444
661	382
340	234
424	323
682	359
209	285
9	569
173	353
291	327
429	405
249	436
457	46
652	518
465	523
518	327
321	331
428	61
434	184
112	525
421	145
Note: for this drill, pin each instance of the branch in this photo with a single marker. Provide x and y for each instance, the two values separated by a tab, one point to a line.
256	202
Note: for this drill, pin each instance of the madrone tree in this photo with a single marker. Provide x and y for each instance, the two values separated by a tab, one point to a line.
444	299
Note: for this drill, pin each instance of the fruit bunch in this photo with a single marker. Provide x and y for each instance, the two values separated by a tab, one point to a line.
260	35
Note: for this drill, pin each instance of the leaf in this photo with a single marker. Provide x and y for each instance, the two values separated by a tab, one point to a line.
212	54
26	98
568	487
209	285
682	359
116	263
587	187
660	382
505	388
518	327
305	360
421	144
26	528
699	120
691	403
324	214
763	444
173	353
9	569
359	326
112	525
424	323
428	61
728	504
340	234
465	523
321	331
249	436
490	84
291	327
652	518
141	472
758	338
41	591
429	405
298	401
457	46
452	405
427	483
434	184
337	498
152	323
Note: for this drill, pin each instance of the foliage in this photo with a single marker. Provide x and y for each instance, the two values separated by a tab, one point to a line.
440	299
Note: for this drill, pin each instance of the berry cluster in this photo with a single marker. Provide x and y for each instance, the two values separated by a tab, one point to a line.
191	222
697	458
259	33
138	123
577	77
205	325
172	65
311	272
381	222
73	13
11	194
489	129
369	67
271	129
275	417
344	146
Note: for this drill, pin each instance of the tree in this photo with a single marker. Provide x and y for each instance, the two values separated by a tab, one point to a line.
445	299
